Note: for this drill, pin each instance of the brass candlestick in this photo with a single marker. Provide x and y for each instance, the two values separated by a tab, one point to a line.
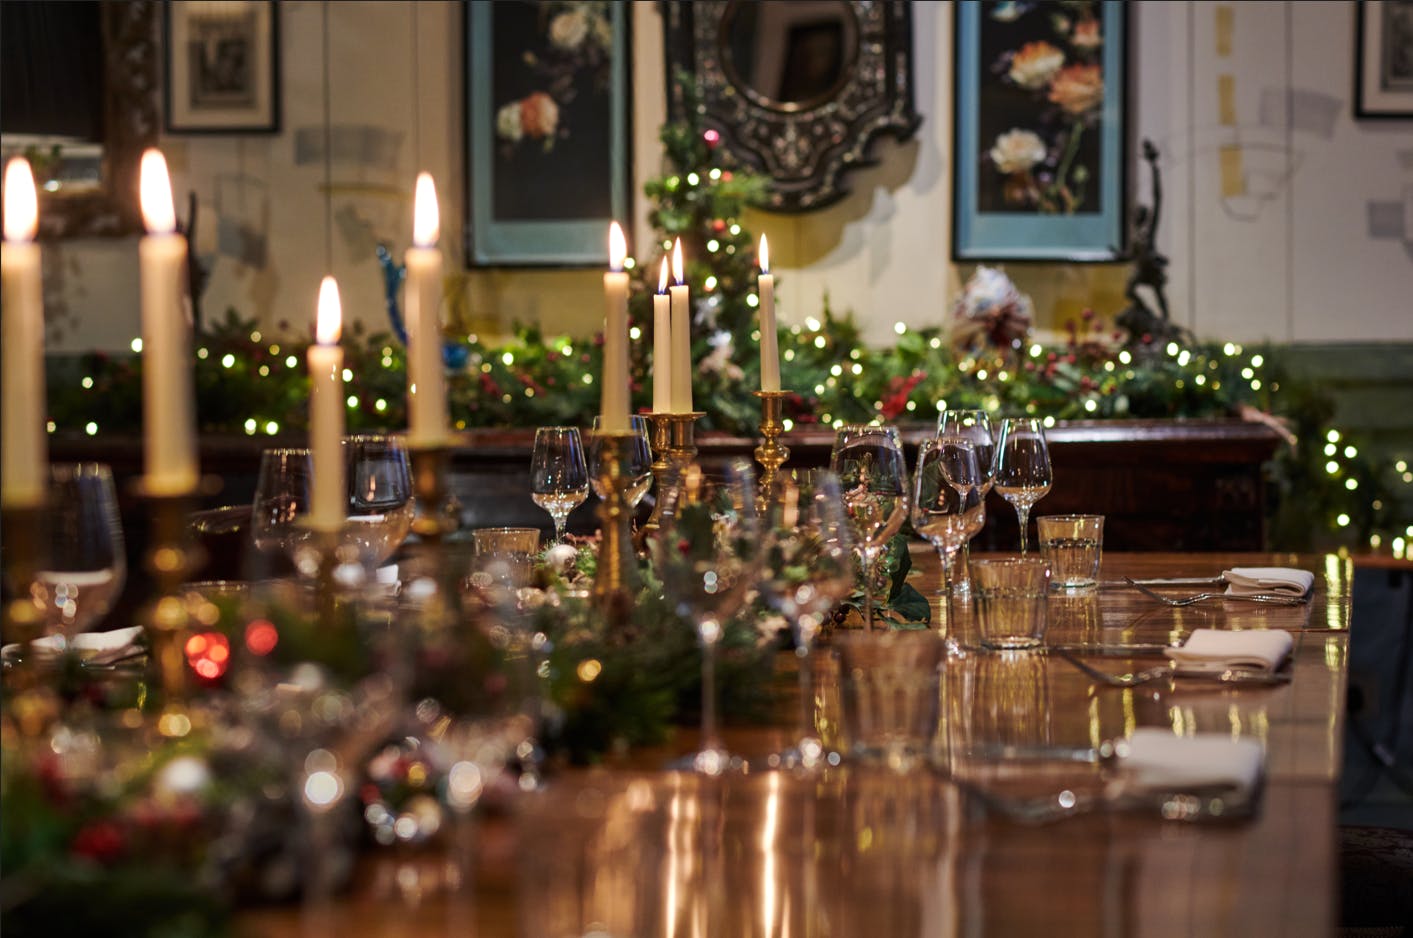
616	579
661	442
24	548
172	558
771	454
682	447
437	512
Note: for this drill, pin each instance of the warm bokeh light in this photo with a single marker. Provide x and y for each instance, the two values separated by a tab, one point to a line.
21	201
209	654
617	247
662	277
426	217
155	190
329	323
677	272
261	637
764	255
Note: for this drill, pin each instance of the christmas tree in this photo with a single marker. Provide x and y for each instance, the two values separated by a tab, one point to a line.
700	198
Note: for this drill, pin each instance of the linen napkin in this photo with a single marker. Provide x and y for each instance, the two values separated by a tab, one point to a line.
93	647
1278	581
1217	650
1160	761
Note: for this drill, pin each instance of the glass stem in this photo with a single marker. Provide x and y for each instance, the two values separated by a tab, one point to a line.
870	570
560	523
710	741
806	663
1023	513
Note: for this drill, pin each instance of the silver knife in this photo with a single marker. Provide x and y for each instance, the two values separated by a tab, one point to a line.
1170	581
1117	650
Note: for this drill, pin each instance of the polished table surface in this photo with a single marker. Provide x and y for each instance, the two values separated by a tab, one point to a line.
632	850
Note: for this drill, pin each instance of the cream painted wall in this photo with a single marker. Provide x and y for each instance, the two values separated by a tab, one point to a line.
1286	253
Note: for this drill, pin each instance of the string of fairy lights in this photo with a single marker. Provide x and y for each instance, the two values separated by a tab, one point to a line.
530	380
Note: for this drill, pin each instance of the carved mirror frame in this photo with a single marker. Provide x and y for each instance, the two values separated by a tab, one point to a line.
807	147
131	123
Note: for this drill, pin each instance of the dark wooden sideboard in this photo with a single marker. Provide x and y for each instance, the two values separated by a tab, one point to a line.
1162	484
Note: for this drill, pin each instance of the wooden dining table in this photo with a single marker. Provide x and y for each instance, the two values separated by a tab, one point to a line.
633	849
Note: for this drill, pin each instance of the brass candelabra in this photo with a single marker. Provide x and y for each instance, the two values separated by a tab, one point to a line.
674	443
771	454
616	579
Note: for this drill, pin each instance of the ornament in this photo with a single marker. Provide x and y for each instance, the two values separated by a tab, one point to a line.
990	313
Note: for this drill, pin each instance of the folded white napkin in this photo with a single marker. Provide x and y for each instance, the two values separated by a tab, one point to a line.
1216	649
1160	761
91	646
1280	581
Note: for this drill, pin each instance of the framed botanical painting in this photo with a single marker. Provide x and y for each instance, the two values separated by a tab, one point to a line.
548	103
222	67
1383	59
1040	138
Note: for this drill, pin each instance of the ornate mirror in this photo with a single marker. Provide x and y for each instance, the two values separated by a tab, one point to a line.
109	130
798	89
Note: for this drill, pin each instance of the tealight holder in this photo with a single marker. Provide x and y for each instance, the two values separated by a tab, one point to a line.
771	454
616	577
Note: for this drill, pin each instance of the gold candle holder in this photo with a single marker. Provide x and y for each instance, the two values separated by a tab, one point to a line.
616	578
436	510
24	546
682	445
661	442
172	557
771	454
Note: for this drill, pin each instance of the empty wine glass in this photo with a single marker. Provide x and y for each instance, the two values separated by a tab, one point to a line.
947	505
282	491
639	469
706	554
380	506
559	477
807	569
84	567
873	481
1023	474
973	425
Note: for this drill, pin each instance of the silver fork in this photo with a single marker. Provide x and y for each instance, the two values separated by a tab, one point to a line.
1267	598
1225	676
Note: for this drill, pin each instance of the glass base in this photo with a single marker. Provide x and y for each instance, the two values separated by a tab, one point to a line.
1011	643
711	762
808	755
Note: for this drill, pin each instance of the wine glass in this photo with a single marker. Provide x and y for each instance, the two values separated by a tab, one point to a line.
1023	474
948	507
706	554
282	491
85	564
973	425
559	478
873	481
380	506
640	461
807	569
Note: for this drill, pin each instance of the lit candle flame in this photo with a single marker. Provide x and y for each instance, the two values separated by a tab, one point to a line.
662	277
426	218
21	201
617	247
155	190
764	255
677	263
329	323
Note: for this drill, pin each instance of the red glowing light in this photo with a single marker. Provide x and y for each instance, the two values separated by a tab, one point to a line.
261	637
209	654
